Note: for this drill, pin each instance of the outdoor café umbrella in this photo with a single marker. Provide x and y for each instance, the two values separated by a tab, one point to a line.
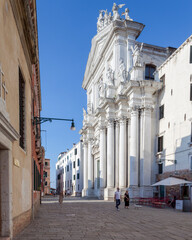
170	181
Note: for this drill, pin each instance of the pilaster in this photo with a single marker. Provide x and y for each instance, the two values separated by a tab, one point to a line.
122	152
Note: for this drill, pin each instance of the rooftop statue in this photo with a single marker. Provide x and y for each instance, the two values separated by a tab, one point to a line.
137	55
100	21
115	10
126	14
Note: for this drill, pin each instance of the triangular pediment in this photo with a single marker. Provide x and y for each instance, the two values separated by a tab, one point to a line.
97	48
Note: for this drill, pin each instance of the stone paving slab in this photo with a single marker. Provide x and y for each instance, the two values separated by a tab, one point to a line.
99	220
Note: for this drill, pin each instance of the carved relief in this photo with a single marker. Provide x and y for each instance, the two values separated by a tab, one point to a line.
101	88
110	76
122	71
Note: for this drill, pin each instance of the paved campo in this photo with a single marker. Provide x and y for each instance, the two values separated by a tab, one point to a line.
99	220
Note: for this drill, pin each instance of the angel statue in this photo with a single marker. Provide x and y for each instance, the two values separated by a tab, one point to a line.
106	18
100	22
115	10
137	55
126	14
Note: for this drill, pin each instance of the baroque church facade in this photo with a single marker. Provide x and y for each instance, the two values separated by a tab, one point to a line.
120	132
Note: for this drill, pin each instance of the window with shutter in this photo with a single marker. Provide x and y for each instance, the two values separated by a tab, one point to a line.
21	110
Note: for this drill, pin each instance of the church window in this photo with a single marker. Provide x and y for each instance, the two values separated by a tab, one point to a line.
74	164
149	72
190	60
161	112
77	175
160	144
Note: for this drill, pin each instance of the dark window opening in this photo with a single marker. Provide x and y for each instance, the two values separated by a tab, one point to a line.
75	151
21	110
37	178
73	177
190	91
190	60
160	168
74	164
161	112
160	144
78	162
149	72
67	168
77	175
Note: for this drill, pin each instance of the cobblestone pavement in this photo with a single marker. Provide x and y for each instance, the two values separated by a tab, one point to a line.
99	220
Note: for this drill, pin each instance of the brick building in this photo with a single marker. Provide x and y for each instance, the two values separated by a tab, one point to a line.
20	102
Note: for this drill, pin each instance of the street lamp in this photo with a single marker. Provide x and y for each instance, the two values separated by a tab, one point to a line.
39	120
160	159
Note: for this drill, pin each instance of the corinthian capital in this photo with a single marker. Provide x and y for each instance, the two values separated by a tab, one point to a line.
122	120
110	122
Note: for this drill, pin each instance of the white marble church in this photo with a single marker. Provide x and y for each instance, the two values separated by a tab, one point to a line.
121	123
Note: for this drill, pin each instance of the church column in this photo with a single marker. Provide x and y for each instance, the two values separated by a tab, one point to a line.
85	169
117	155
134	153
102	157
122	153
128	146
90	165
110	153
146	190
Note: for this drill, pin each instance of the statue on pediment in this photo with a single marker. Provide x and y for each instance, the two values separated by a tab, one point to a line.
122	71
137	55
126	14
100	21
115	10
110	76
106	18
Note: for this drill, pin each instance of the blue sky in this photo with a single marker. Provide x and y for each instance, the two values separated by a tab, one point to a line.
65	30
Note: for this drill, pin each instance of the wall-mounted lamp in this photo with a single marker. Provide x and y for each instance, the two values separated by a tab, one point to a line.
39	120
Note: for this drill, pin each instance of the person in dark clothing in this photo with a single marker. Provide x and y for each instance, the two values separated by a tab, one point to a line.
126	199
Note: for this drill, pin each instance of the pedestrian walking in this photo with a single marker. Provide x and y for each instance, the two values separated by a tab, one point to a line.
126	199
117	198
61	197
